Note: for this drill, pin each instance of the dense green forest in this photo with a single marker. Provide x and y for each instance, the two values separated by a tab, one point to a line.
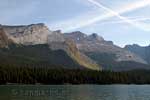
43	75
37	55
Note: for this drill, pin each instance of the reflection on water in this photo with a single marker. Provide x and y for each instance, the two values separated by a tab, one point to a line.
75	92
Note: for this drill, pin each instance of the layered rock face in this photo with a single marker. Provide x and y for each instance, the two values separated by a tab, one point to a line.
28	34
95	43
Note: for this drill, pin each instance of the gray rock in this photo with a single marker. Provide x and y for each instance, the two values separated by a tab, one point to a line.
96	43
28	34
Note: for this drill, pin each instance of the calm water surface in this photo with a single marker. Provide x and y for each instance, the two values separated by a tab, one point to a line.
75	92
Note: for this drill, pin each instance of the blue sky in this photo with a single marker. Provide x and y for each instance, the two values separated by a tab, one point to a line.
121	21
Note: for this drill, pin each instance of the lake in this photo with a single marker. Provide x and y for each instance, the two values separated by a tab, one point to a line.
75	92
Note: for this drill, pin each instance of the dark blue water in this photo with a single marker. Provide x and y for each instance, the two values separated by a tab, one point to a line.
75	92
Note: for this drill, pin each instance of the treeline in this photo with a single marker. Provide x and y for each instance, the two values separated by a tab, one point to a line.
43	75
36	55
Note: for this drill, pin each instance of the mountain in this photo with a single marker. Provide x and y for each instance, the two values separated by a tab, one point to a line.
36	44
105	52
143	52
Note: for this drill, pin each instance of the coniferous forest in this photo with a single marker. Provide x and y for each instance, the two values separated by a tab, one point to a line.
15	70
44	75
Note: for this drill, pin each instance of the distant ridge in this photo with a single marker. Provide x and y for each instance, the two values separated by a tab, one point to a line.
142	51
104	52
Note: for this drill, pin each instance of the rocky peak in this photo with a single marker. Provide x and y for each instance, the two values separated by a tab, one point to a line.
76	36
134	45
57	31
38	24
95	36
77	33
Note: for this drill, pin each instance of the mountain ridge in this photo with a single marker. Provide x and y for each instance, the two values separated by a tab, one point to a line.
98	49
36	34
90	51
98	44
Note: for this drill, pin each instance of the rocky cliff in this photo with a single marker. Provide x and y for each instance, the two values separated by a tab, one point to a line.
28	34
